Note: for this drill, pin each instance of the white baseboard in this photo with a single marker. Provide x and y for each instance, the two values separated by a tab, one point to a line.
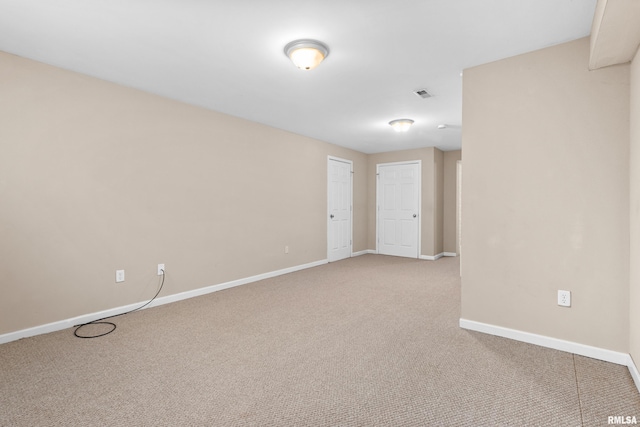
68	323
432	258
366	251
449	254
635	374
549	342
557	344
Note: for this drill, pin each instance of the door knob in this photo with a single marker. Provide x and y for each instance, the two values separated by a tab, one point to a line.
331	216
414	215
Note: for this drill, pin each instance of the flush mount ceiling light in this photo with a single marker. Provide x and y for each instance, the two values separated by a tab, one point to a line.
401	125
306	54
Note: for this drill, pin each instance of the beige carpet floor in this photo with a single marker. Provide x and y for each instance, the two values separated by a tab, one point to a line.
368	341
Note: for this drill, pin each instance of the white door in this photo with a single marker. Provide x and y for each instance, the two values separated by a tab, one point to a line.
339	203
399	209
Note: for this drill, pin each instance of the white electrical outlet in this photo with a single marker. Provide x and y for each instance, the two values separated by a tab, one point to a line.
160	269
286	249
564	298
119	276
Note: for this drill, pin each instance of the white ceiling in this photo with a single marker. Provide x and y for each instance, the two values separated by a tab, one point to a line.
228	56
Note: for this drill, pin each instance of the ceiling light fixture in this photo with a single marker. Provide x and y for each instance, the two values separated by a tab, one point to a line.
401	125
306	54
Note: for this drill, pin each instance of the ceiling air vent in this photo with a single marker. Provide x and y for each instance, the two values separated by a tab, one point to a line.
422	93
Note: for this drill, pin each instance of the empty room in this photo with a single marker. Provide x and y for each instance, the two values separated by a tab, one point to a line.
420	213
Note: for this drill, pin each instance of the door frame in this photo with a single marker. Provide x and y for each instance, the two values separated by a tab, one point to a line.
327	213
459	211
408	162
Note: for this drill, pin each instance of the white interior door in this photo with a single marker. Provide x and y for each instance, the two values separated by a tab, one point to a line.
399	209
339	217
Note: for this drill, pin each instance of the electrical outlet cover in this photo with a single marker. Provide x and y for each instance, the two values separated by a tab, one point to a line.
119	276
564	298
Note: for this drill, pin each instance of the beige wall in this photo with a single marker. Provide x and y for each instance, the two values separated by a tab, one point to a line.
96	177
634	297
449	234
546	196
431	159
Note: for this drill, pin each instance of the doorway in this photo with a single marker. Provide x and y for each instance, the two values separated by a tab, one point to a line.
398	208
340	211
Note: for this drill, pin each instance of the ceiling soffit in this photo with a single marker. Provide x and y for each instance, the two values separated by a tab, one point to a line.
615	33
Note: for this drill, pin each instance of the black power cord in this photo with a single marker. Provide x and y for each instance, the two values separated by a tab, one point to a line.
100	321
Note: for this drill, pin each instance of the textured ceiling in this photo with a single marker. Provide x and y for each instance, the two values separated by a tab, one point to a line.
228	56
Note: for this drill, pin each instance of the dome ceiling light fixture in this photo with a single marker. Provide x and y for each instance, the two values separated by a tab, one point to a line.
306	54
401	125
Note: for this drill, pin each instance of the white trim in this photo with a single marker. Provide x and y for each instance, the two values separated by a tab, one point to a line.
432	257
350	163
420	207
449	254
635	374
366	251
68	323
549	342
557	344
459	208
